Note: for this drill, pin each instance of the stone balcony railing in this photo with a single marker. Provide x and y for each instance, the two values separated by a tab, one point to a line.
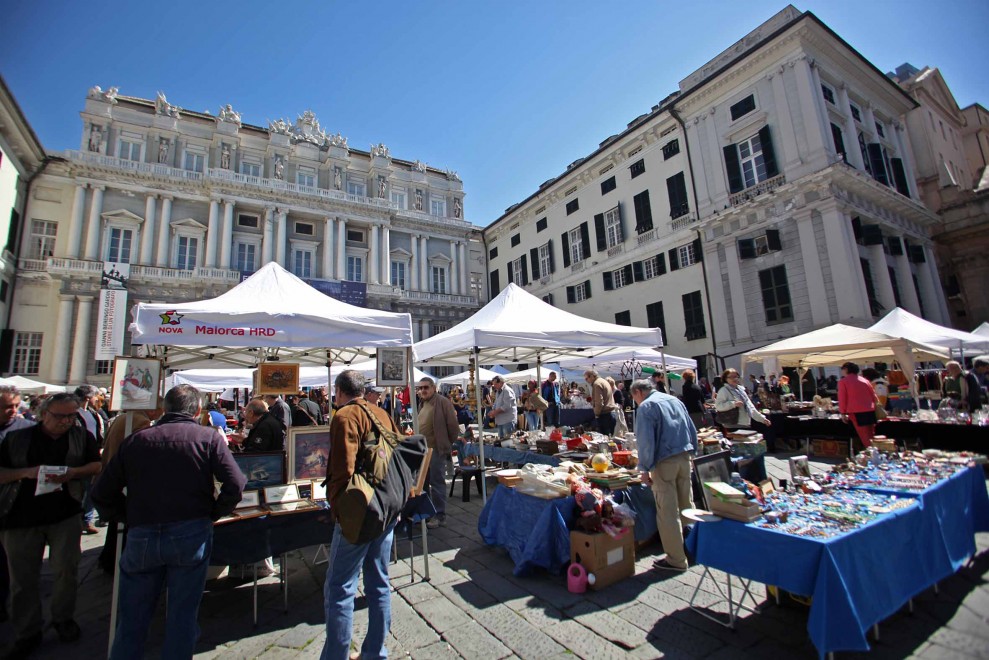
683	221
646	237
152	169
441	298
63	267
769	185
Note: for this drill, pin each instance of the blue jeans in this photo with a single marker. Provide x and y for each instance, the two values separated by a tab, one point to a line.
340	588
506	430
174	556
88	508
531	420
552	415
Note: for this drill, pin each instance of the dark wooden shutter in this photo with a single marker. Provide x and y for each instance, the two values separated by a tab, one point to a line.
525	272
746	248
676	187
839	141
627	272
534	258
872	235
698	253
875	151
600	233
734	169
768	153
552	259
895	245
571	294
549	298
587	289
661	263
585	237
495	284
674	259
608	281
916	254
566	249
773	240
899	176
643	212
638	274
621	221
511	272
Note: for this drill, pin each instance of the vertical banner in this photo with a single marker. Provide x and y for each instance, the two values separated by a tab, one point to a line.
110	323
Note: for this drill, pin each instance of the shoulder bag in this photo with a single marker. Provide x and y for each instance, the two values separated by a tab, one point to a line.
728	417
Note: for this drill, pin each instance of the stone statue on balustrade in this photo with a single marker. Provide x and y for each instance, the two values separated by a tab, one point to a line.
95	138
163	151
279	167
227	113
381	186
457	208
225	157
97	94
418	200
163	107
337	178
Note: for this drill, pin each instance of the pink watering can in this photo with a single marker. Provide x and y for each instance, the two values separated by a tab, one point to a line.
576	578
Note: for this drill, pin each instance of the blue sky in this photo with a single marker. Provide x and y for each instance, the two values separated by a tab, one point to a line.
507	93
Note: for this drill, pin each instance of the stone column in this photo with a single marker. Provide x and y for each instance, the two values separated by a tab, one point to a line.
147	257
820	106
880	277
227	235
266	241
328	227
373	266
424	264
341	249
929	287
846	270
851	136
464	270
939	299
454	269
280	225
814	275
211	233
810	97
81	340
93	230
76	221
161	256
737	294
789	154
900	140
386	256
63	327
904	278
414	265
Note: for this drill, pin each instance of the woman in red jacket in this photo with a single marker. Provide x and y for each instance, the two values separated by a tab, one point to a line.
857	402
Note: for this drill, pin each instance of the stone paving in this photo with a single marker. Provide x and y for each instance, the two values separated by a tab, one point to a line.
473	607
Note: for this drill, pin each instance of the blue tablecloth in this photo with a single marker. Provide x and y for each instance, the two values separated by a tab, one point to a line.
534	531
506	455
862	577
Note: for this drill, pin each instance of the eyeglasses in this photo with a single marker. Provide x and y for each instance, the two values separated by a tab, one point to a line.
63	418
422	388
733	375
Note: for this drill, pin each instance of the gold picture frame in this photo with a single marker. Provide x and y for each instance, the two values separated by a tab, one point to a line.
308	452
277	378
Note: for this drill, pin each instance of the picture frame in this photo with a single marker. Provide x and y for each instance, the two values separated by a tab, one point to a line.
392	369
137	384
262	469
281	494
712	467
277	378
308	452
318	491
305	489
799	467
250	499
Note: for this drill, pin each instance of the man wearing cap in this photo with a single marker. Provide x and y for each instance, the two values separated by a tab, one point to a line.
438	423
373	395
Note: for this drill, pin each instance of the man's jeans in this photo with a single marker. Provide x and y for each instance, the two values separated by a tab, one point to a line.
437	482
174	556
606	423
88	508
340	588
506	430
531	420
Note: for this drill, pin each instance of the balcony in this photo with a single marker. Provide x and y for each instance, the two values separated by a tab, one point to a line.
646	237
250	181
579	266
615	250
439	298
76	268
151	169
433	219
769	185
683	221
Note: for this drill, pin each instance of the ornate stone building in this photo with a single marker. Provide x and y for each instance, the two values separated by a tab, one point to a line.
191	203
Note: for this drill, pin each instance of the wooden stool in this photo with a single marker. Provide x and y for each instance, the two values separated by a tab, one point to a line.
466	473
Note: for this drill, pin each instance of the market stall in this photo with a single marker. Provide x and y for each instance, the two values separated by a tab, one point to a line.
28	386
901	323
218	380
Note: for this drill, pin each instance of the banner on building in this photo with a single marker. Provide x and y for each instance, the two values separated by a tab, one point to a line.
111	322
115	275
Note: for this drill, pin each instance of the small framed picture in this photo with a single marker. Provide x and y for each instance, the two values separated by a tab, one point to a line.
305	489
136	384
251	498
262	469
277	378
712	467
392	370
308	452
281	494
318	490
799	467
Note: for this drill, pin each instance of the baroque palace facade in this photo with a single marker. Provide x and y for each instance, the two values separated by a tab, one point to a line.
772	194
184	205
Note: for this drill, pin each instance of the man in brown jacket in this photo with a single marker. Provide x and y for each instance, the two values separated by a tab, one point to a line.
603	400
438	422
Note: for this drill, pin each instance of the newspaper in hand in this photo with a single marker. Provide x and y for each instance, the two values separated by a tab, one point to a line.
45	474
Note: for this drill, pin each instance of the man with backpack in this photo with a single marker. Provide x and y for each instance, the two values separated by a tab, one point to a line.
349	428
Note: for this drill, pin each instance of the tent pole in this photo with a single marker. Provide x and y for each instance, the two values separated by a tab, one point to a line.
539	384
329	385
412	392
666	380
480	438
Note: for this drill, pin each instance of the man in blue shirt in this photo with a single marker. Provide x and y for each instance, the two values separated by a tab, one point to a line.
551	392
666	437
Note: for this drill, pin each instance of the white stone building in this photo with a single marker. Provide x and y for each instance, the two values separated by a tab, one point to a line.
194	202
797	195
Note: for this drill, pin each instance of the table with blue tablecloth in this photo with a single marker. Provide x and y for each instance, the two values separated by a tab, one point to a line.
536	532
859	578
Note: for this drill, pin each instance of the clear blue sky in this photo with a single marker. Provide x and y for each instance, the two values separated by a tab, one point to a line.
505	92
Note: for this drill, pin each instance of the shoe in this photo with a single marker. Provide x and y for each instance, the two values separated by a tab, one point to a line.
435	522
665	565
68	631
90	529
24	647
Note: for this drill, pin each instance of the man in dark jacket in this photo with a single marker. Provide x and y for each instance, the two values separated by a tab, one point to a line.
267	433
169	471
438	422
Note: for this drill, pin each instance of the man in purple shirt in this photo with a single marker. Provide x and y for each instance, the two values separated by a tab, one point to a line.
168	471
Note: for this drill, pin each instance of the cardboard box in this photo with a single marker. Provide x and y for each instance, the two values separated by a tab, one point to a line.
748	448
833	448
610	560
745	511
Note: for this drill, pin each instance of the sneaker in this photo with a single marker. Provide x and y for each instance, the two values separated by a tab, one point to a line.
434	522
24	647
665	565
68	631
90	529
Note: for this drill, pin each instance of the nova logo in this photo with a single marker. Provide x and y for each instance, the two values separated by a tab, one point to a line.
171	318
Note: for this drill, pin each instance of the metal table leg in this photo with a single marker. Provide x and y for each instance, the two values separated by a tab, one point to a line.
425	548
285	578
255	569
733	607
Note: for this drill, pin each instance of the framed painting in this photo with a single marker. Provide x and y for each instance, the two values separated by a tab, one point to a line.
799	467
308	452
392	370
262	469
712	467
136	384
277	378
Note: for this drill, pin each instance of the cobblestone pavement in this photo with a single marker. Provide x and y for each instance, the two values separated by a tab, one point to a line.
473	607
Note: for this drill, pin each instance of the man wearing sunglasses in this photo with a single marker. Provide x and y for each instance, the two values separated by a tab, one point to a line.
438	422
504	410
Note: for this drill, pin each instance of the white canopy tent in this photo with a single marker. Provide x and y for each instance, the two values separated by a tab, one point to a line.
612	364
901	323
518	327
982	330
840	343
28	386
218	380
482	376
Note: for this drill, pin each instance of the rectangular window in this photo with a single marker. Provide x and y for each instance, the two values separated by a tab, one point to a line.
576	245
686	255
613	227
439	279
355	236
743	107
437	207
637	168
775	295
355	268
244	220
187	252
27	353
856	114
302	263
42	239
305	228
623	318
516	239
655	317
579	293
306	177
541	224
545	260
643	212
129	150
608	185
828	94
693	316
398	198
671	149
104	367
356	188
246	257
654	267
493	253
572	206
676	188
880	130
250	169
120	245
517	272
194	162
751	160
619	279
398	274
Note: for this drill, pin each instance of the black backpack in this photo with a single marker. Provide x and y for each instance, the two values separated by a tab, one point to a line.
385	473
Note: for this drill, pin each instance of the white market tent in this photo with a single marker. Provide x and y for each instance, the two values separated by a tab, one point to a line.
901	323
28	386
840	343
611	364
982	330
218	380
482	376
271	314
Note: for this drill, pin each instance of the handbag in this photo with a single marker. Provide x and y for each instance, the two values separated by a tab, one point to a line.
8	493
728	417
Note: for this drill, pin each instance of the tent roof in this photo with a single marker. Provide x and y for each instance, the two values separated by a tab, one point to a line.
901	323
272	311
840	343
217	380
645	357
481	376
518	327
28	386
982	330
